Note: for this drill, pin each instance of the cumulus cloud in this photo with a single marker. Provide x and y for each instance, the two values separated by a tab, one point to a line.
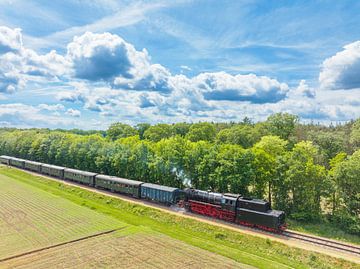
56	107
342	71
222	86
10	39
106	57
302	90
109	76
73	112
19	64
102	56
10	81
24	116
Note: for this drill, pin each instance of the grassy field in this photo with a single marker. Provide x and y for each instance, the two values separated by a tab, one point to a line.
31	218
239	247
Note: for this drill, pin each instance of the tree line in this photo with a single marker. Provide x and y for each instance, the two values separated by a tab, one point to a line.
310	171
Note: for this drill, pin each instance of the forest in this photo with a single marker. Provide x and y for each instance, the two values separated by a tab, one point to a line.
310	171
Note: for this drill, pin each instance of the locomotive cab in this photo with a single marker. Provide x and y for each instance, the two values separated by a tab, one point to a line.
229	201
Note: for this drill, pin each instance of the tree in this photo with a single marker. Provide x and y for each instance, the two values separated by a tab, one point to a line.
142	127
307	181
119	130
243	135
346	176
269	152
334	191
355	134
201	131
157	132
330	143
181	128
282	124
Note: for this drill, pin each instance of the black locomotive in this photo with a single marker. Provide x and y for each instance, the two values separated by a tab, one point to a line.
229	207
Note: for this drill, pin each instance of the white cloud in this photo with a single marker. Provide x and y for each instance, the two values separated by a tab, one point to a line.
302	90
25	116
10	81
185	67
57	107
342	71
105	56
73	112
256	89
19	64
111	77
10	39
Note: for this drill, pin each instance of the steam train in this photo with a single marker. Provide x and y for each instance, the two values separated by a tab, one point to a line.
228	207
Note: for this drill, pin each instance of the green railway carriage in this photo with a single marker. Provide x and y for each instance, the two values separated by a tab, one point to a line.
53	170
161	194
5	159
33	166
119	185
79	176
20	163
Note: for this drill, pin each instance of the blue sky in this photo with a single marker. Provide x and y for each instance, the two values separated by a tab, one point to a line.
86	64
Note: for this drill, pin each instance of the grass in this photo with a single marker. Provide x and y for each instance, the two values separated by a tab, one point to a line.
251	250
323	229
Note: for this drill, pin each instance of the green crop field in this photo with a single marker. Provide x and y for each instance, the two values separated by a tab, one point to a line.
45	212
31	218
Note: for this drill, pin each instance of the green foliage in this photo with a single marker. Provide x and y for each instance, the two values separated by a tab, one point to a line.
201	131
282	124
181	128
309	180
355	134
243	135
346	176
330	143
142	127
306	180
119	130
157	132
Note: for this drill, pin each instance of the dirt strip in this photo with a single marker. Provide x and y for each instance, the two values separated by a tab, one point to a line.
60	244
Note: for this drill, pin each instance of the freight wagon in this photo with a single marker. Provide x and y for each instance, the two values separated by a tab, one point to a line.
161	194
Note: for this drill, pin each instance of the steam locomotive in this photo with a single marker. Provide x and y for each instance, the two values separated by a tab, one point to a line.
228	207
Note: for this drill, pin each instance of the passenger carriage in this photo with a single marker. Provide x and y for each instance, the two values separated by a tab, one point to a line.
5	159
83	177
53	170
119	185
33	166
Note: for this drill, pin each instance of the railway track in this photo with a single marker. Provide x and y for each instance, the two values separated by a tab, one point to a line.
323	242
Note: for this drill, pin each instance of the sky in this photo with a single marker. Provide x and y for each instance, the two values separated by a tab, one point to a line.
87	64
